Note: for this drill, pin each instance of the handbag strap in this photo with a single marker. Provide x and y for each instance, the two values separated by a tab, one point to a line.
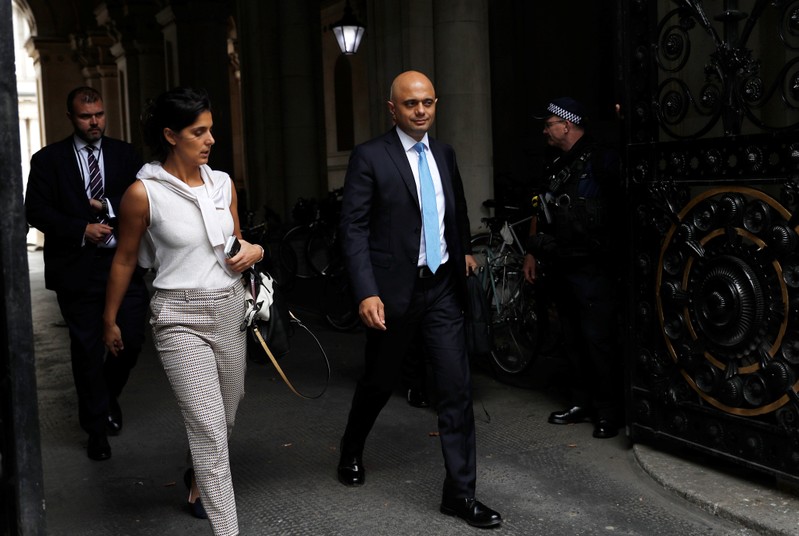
272	358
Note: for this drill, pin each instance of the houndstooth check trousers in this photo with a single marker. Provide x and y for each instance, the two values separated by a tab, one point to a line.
204	354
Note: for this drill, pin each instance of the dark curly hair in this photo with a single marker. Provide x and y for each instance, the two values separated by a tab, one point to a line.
175	109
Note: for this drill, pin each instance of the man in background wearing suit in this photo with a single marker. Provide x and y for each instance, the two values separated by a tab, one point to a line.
74	189
402	218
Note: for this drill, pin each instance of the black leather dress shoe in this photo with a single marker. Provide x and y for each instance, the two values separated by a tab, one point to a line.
114	421
569	416
350	470
98	448
417	398
605	428
472	511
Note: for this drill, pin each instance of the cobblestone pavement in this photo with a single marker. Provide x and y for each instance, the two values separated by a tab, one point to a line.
544	479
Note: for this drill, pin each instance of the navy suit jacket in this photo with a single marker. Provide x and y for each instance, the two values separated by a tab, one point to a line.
56	203
381	222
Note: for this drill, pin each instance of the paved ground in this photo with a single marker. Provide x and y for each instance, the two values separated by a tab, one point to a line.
545	480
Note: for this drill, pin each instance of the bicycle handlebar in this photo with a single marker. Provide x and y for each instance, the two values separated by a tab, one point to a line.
492	203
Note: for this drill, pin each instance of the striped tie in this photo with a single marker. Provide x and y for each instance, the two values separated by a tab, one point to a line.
96	185
95	178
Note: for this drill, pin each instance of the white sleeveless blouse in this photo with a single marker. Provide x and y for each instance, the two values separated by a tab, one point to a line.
188	227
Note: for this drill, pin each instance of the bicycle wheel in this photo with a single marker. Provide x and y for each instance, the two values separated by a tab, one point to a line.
291	253
340	309
481	243
322	250
254	234
514	323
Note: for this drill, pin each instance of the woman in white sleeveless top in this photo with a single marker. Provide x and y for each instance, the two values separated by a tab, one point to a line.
176	219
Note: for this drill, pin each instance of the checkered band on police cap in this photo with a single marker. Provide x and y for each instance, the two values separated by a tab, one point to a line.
564	113
566	108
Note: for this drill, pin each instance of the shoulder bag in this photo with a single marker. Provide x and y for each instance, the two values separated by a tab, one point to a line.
270	322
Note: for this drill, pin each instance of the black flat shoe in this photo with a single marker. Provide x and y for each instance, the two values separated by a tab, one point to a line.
417	398
197	509
605	429
472	511
569	416
351	471
98	448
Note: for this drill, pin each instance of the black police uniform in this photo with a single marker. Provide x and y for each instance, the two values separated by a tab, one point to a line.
576	252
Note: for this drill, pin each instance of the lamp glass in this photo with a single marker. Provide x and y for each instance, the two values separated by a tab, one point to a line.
348	37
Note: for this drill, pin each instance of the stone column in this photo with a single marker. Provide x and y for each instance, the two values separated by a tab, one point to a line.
100	72
463	86
195	34
21	475
281	81
419	53
141	78
260	93
138	50
301	86
58	73
399	37
107	83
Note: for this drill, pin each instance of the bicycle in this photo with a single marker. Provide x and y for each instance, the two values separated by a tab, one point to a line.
263	233
338	304
514	317
312	250
307	250
323	249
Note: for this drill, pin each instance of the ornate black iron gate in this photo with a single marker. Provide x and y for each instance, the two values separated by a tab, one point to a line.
713	160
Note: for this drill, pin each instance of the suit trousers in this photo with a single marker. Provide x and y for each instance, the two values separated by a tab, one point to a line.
436	316
204	354
99	379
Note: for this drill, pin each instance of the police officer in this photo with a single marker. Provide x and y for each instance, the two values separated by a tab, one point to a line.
570	238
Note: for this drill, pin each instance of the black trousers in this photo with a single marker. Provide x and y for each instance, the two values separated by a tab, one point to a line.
414	368
436	315
99	379
586	301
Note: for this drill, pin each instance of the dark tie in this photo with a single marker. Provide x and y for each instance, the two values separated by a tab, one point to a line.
96	185
429	211
95	178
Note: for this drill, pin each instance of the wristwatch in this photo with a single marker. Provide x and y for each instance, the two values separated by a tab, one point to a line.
104	201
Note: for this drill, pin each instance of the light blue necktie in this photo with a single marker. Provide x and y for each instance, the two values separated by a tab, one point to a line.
429	211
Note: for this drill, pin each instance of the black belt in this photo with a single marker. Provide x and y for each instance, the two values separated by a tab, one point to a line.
423	272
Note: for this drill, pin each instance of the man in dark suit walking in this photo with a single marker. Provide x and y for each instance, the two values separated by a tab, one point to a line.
402	223
74	190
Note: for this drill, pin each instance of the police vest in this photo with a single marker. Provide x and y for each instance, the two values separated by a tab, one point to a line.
579	214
